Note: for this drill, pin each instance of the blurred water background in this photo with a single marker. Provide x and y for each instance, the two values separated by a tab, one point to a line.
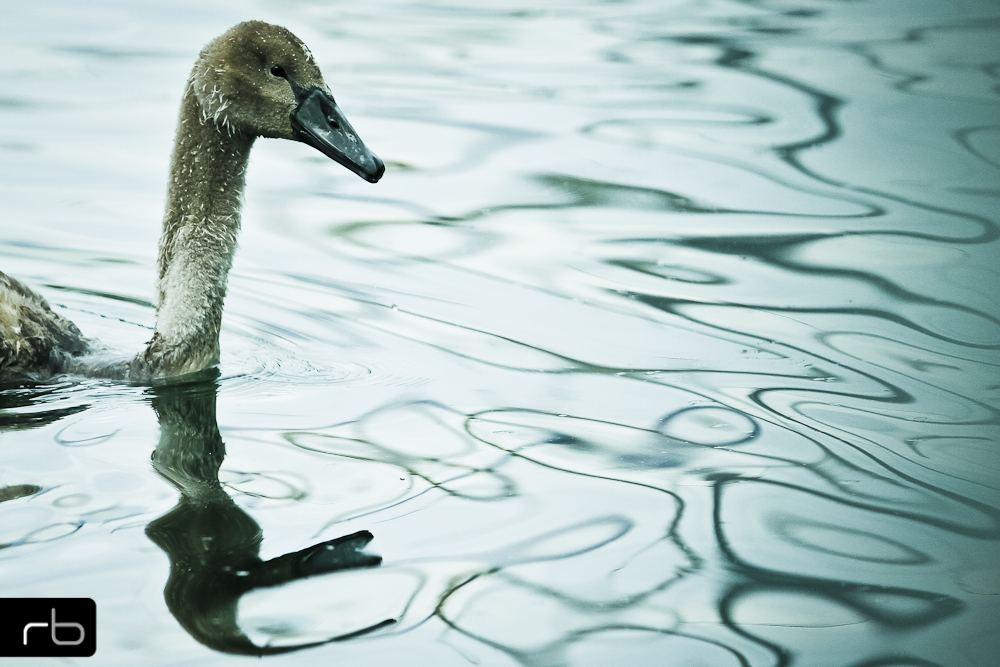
668	338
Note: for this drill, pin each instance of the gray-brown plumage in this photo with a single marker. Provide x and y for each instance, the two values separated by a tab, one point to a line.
255	80
33	339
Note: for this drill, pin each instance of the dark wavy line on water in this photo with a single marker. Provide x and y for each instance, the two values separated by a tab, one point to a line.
588	193
873	210
104	295
666	304
551	654
833	478
774	250
849	594
962	137
991	513
403	462
910	444
785	530
895	394
671	534
596	606
12	419
907	78
736	57
916	35
672	531
897	660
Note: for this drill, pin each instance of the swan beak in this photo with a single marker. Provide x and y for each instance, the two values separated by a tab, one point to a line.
319	122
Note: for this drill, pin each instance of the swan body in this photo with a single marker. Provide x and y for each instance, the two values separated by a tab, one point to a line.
33	339
254	80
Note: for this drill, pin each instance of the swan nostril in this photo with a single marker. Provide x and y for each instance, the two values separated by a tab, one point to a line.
333	122
278	70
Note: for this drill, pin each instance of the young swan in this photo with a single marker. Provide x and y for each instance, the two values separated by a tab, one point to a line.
254	80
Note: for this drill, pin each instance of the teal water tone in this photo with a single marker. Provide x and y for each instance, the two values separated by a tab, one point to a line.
669	337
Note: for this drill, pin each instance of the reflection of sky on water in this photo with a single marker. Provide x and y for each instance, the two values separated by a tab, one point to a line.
670	334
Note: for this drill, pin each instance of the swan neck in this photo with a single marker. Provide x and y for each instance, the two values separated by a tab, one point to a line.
200	229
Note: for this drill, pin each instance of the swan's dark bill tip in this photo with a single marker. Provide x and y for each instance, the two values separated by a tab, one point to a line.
377	174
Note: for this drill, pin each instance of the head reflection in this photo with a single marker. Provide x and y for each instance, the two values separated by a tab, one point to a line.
212	544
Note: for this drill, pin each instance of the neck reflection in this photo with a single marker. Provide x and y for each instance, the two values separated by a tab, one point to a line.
213	545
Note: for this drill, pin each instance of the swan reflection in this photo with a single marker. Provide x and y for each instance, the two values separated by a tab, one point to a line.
213	545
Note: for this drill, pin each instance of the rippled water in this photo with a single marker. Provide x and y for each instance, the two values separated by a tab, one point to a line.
669	337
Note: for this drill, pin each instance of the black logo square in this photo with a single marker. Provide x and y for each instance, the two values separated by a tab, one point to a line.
48	627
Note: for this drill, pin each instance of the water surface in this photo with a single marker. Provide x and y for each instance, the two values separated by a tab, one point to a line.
669	337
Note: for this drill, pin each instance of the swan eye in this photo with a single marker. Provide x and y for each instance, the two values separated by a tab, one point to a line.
278	70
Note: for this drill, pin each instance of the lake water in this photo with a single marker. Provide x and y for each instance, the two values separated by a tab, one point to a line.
670	337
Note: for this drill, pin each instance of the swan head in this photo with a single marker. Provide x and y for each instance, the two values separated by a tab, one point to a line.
260	80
